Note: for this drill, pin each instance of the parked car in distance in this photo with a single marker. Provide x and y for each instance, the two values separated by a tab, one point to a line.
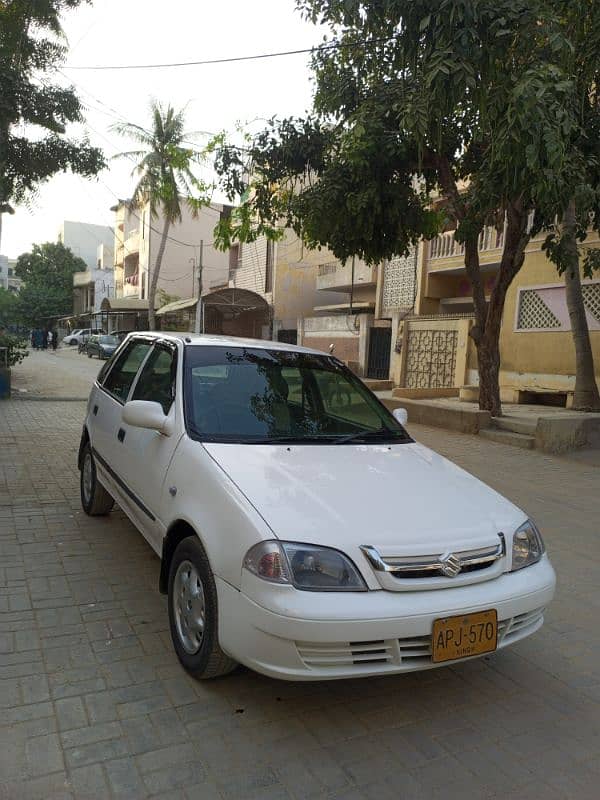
301	529
75	336
79	335
102	345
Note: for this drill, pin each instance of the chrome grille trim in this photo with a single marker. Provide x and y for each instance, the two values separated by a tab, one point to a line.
445	565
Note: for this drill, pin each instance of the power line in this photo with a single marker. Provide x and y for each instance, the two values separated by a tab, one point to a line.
234	59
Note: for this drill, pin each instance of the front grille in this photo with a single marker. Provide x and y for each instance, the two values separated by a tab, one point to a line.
411	652
445	565
315	654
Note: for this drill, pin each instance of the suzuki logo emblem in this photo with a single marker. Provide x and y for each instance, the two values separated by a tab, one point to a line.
450	565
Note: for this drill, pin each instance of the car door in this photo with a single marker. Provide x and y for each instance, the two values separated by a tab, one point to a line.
105	415
146	453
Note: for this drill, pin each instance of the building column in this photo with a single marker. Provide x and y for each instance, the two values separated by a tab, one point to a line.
365	324
300	330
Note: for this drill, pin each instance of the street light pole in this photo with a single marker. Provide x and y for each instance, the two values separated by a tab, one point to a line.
198	322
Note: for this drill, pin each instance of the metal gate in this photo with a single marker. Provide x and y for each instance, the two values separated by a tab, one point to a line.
380	342
431	359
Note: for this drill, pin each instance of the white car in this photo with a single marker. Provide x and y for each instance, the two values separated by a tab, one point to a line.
77	336
301	530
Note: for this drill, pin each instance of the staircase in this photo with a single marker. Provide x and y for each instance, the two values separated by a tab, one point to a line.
515	431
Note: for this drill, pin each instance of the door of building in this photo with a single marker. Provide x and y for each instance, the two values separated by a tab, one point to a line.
380	342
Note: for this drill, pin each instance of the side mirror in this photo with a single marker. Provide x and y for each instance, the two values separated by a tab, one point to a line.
146	414
401	414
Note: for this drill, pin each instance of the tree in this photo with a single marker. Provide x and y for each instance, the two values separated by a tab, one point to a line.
30	51
466	100
47	272
165	178
8	308
570	221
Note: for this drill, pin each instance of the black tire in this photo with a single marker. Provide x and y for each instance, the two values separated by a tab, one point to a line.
208	661
89	355
95	500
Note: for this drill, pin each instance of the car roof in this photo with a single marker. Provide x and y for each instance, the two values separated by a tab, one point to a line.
215	340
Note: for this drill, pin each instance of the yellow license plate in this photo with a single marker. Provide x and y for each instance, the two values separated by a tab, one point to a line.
464	636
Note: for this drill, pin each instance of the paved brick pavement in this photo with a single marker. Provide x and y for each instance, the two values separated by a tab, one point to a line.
94	704
63	373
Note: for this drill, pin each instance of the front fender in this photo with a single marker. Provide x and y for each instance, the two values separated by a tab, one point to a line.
209	502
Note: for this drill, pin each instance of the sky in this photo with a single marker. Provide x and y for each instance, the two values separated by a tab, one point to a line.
216	97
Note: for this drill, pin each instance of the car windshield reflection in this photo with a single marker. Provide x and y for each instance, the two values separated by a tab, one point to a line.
260	396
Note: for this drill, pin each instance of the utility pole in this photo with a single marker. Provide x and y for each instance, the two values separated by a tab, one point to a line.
198	323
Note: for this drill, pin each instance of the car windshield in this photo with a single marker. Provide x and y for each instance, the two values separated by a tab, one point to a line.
267	396
108	340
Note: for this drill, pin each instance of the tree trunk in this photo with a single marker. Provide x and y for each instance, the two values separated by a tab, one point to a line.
486	332
156	274
586	397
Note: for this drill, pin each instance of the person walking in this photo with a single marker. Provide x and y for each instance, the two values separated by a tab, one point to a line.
45	339
54	339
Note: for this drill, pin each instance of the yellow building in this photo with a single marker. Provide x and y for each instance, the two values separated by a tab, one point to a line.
433	351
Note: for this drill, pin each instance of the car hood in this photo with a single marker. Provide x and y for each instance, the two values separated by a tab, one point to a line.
403	498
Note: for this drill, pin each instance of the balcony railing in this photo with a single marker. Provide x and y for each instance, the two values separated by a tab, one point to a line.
335	275
446	246
329	268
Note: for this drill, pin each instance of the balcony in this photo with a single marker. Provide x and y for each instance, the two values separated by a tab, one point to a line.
82	278
132	243
448	255
336	276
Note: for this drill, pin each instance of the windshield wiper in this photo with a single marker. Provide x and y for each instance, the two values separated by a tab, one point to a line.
378	433
289	439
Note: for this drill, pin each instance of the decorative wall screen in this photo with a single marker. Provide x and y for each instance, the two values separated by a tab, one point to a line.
399	277
431	359
534	314
591	299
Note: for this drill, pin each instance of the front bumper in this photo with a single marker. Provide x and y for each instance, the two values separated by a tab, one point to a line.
293	635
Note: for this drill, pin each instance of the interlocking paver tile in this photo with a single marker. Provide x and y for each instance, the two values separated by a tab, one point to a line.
94	703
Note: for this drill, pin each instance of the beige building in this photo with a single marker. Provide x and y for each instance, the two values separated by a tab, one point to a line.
431	347
268	286
8	278
359	326
137	240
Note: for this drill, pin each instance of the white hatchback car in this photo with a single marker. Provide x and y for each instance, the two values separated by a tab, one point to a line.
301	530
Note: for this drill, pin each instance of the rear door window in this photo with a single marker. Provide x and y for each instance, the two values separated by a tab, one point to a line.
120	378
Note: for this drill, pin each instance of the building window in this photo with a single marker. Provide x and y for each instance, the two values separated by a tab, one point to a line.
534	311
269	267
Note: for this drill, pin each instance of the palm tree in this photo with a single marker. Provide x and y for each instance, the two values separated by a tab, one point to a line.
165	178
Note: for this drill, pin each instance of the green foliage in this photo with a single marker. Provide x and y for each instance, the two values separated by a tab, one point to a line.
17	348
30	51
410	96
8	308
165	165
581	64
47	272
166	178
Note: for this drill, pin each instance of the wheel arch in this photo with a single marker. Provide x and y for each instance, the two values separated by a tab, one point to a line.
85	438
178	531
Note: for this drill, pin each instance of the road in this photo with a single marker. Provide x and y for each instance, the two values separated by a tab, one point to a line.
95	705
60	374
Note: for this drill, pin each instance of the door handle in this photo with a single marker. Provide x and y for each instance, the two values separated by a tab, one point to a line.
121	435
95	411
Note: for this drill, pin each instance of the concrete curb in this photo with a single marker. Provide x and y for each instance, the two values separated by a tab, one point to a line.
454	419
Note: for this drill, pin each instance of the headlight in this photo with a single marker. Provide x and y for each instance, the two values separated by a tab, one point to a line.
305	566
527	547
